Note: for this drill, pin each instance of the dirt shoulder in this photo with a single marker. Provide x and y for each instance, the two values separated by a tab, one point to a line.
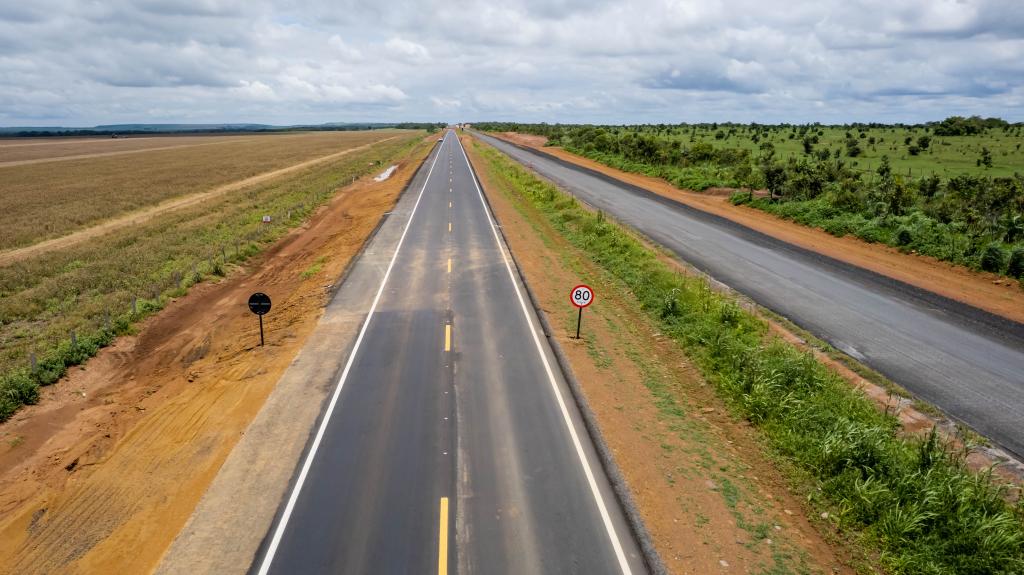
101	475
985	291
711	499
147	214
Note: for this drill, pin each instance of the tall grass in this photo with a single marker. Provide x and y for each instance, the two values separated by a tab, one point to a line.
913	499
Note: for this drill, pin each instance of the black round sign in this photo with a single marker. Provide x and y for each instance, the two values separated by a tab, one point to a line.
259	303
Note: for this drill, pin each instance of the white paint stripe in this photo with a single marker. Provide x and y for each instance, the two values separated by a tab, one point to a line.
616	544
268	558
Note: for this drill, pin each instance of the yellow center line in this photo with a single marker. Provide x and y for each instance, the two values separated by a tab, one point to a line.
447	337
442	544
449	226
449	265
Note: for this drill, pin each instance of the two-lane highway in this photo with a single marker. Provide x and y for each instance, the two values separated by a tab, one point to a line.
964	361
451	442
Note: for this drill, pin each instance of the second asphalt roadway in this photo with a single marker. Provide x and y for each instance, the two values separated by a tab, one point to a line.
965	361
451	442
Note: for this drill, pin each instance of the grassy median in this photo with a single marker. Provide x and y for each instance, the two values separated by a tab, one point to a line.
912	499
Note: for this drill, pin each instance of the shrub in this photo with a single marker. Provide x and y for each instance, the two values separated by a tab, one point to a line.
1016	266
904	237
993	259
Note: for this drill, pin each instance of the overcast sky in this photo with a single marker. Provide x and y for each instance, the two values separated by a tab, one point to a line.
80	63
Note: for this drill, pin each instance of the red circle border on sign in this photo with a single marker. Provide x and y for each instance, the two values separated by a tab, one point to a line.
573	302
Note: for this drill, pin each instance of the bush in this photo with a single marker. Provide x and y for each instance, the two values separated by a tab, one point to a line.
1016	267
904	237
993	259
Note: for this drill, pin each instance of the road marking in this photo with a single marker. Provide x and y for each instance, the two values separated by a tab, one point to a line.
449	204
449	265
616	544
282	523
449	226
447	337
442	542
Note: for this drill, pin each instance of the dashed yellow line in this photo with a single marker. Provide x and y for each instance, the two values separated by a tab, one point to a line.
447	337
449	265
442	543
449	226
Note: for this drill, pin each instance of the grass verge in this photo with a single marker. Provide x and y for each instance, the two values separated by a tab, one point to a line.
913	499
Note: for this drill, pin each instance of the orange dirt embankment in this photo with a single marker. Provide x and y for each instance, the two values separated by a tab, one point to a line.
985	291
100	476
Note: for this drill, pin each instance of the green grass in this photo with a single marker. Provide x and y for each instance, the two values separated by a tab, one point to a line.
313	269
912	499
89	288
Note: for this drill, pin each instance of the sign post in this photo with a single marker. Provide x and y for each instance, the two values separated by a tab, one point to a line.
259	304
581	296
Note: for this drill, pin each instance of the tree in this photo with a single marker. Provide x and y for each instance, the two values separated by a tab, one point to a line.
890	192
808	145
986	157
852	147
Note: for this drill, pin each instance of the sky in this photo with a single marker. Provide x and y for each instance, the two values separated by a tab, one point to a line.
89	62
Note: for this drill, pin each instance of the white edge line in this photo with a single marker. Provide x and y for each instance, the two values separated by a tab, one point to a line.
268	557
616	544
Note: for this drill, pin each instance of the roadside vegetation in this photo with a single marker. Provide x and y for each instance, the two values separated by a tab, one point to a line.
59	308
911	499
953	190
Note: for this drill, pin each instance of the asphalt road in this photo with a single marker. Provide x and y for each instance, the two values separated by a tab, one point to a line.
965	361
451	443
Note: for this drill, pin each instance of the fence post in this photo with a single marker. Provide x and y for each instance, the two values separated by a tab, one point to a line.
74	339
32	362
135	307
106	317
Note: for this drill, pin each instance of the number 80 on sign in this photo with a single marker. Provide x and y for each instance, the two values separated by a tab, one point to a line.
581	296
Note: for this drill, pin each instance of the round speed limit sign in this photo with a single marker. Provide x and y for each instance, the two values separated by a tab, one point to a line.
581	296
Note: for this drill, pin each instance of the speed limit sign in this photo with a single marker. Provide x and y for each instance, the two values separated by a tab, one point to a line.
581	296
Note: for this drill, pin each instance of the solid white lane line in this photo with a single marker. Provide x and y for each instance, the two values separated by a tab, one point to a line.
609	527
275	541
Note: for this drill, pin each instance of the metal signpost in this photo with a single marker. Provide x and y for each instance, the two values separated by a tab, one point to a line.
581	296
259	304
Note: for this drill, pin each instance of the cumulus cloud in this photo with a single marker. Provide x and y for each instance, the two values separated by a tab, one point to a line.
77	63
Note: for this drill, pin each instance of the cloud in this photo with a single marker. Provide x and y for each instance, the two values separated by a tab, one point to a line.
408	51
79	63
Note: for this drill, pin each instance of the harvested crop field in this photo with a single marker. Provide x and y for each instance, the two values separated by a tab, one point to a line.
88	190
58	307
101	475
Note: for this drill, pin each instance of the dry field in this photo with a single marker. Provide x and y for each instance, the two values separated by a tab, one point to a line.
102	474
43	200
89	286
13	151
